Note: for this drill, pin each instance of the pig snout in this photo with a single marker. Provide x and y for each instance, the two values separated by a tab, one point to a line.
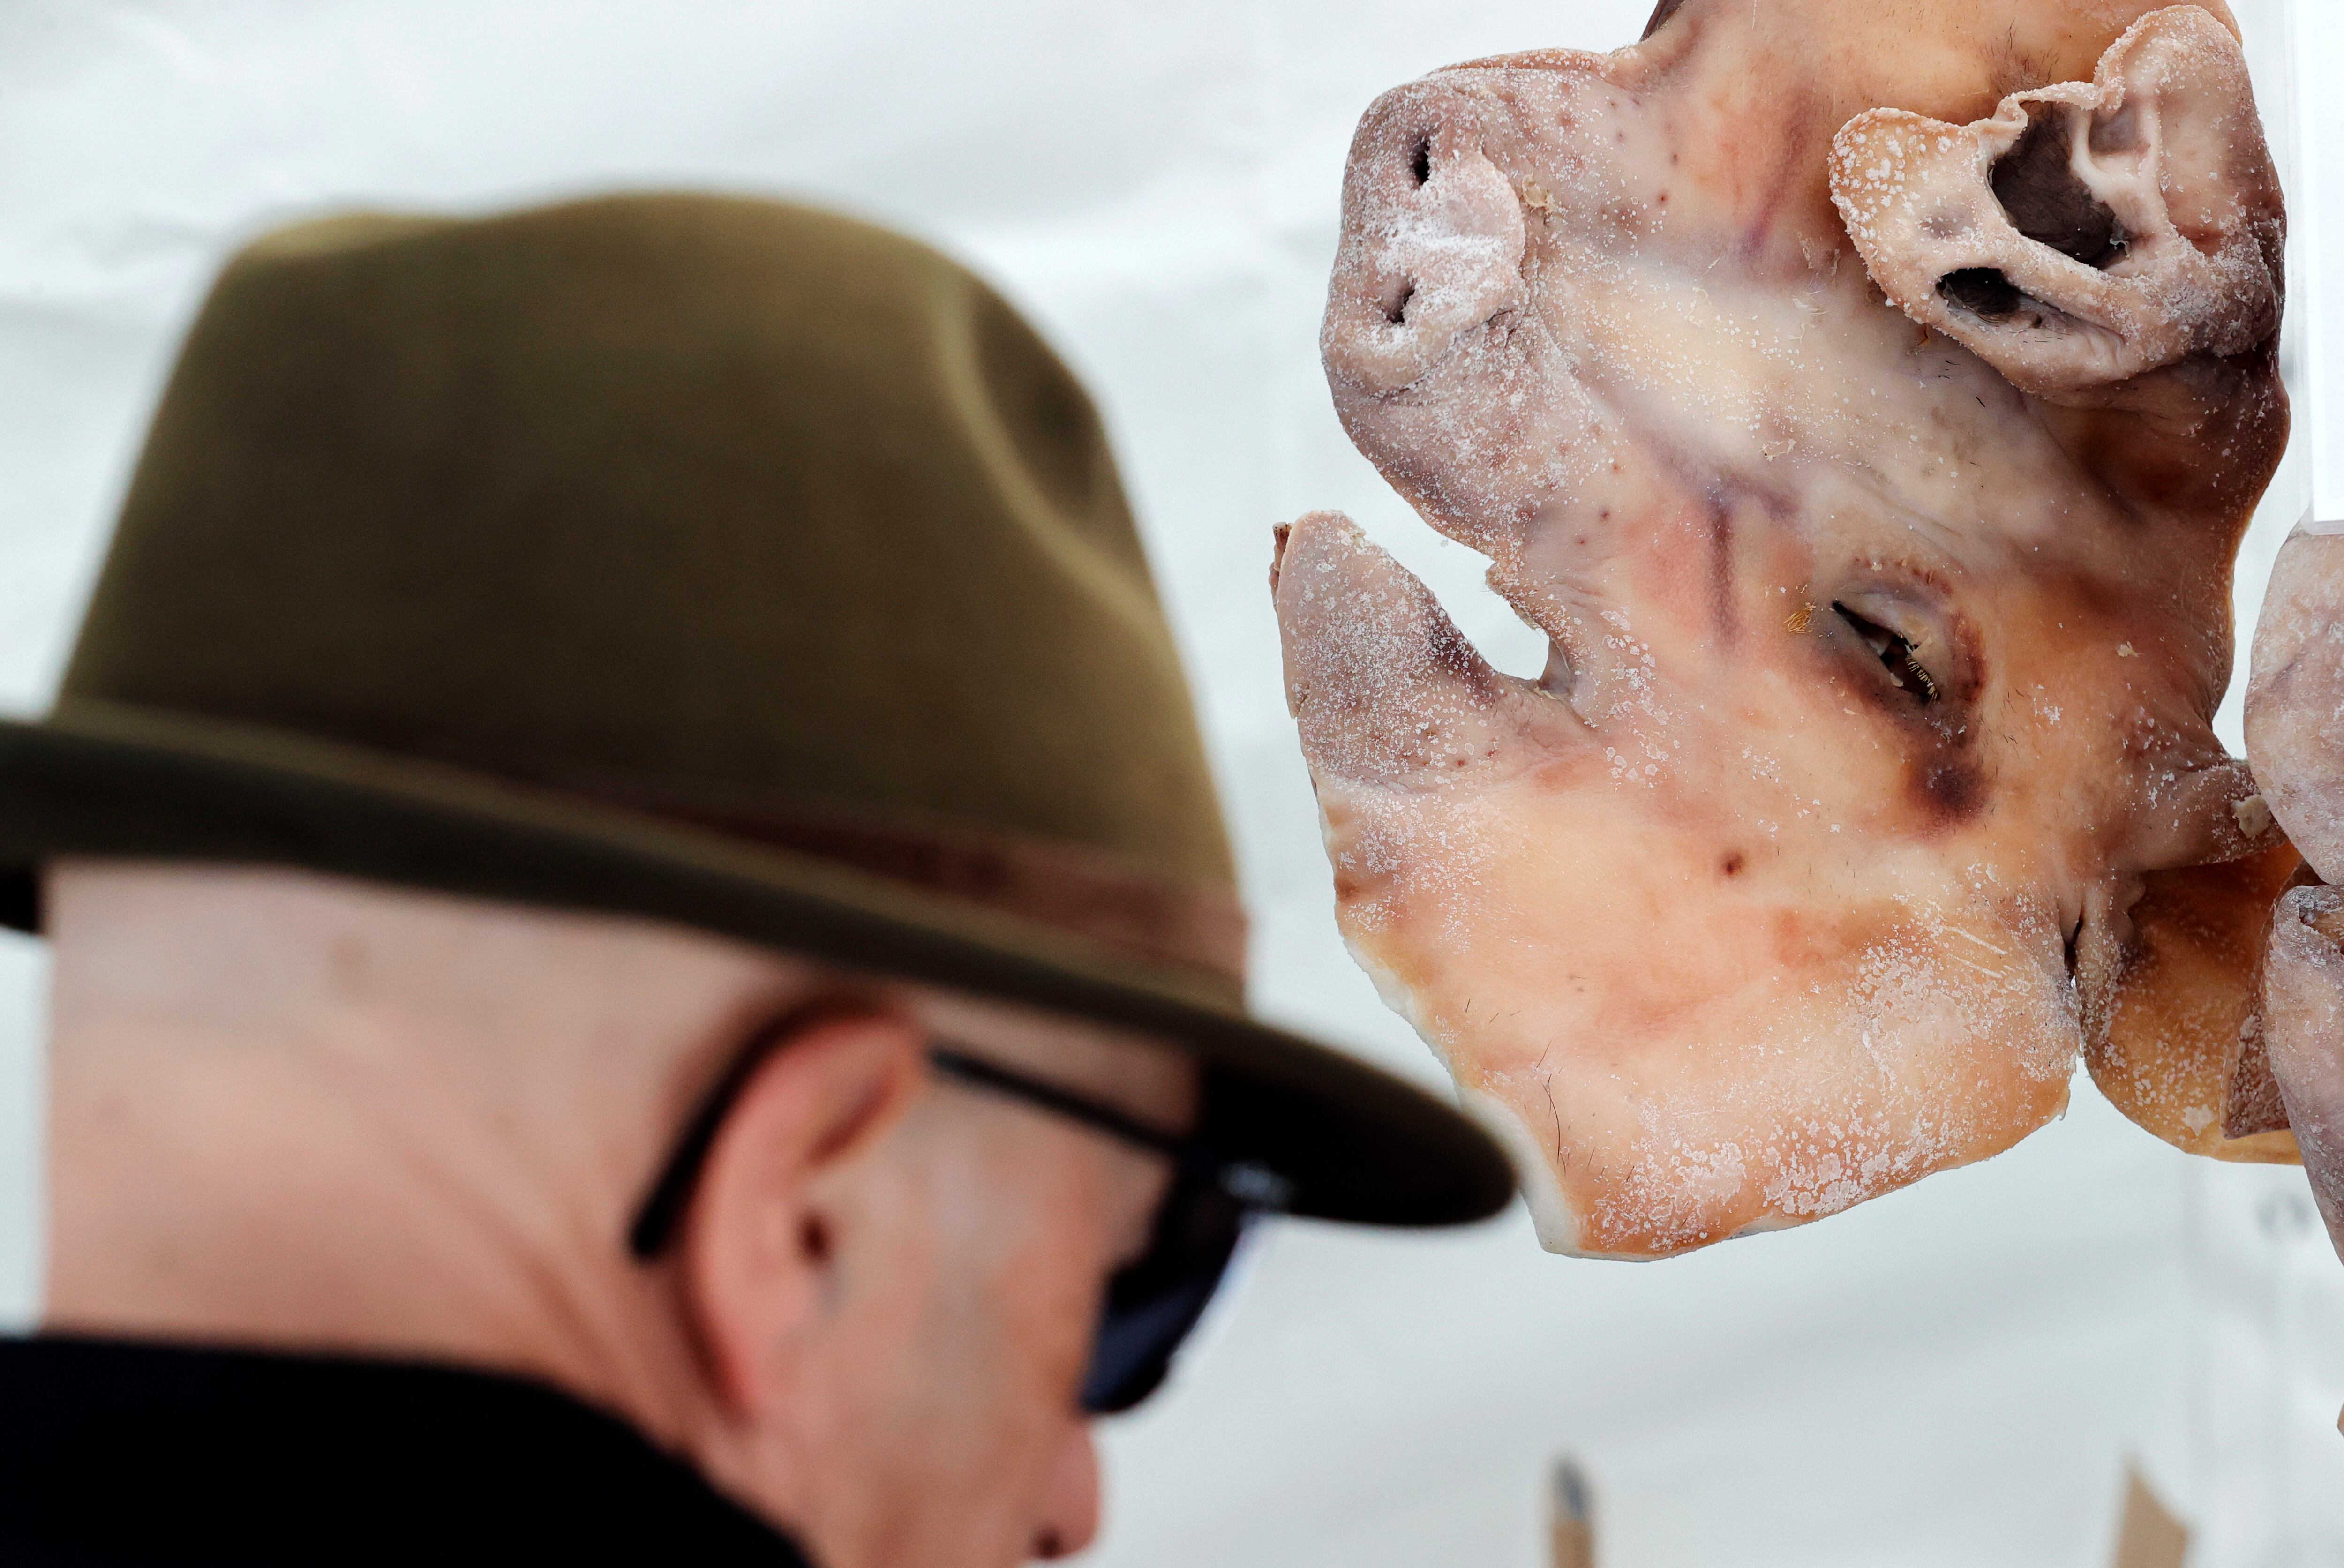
1432	241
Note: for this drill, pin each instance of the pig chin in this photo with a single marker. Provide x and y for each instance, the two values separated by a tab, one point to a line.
1704	1004
1888	601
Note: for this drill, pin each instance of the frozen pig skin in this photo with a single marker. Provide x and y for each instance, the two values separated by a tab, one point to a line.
2295	698
2303	1026
1876	479
2295	736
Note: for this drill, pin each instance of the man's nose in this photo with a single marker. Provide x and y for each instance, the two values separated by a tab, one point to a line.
1437	239
1070	1508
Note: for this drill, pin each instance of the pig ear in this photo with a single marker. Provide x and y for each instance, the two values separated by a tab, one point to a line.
2171	1017
1385	691
2089	233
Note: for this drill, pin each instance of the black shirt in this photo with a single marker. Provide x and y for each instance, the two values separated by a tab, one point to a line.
116	1452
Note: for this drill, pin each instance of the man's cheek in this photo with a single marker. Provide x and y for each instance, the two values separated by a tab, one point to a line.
1058	1282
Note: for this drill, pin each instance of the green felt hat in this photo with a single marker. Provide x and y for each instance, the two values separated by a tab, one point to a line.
708	559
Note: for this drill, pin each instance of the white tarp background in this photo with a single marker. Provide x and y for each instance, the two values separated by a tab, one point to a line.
1954	1375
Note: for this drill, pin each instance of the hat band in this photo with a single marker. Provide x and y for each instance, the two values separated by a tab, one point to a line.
1068	888
1073	888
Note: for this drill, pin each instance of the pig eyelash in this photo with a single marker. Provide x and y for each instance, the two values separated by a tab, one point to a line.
1894	653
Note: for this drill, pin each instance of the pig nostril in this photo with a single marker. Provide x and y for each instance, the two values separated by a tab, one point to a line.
1419	162
2037	185
1982	291
1396	304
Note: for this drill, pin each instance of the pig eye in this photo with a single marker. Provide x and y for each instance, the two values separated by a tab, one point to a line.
1895	654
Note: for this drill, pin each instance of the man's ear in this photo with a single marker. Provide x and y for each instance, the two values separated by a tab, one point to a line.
757	1244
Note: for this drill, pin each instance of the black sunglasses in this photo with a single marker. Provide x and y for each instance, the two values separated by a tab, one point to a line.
1152	1303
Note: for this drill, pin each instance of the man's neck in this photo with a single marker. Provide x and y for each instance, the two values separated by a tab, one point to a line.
294	1112
201	1190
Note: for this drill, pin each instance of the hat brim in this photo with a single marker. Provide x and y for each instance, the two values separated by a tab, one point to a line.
113	781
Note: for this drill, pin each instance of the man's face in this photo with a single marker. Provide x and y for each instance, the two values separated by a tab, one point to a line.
938	1423
873	1323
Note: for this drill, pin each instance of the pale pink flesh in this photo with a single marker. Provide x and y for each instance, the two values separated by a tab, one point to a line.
1879	684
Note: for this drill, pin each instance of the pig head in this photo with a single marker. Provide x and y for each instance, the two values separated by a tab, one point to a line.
2295	737
1865	399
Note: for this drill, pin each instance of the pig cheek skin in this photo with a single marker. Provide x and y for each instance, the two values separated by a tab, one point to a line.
1510	951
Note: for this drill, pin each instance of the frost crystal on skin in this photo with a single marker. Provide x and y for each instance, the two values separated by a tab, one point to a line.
1885	569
